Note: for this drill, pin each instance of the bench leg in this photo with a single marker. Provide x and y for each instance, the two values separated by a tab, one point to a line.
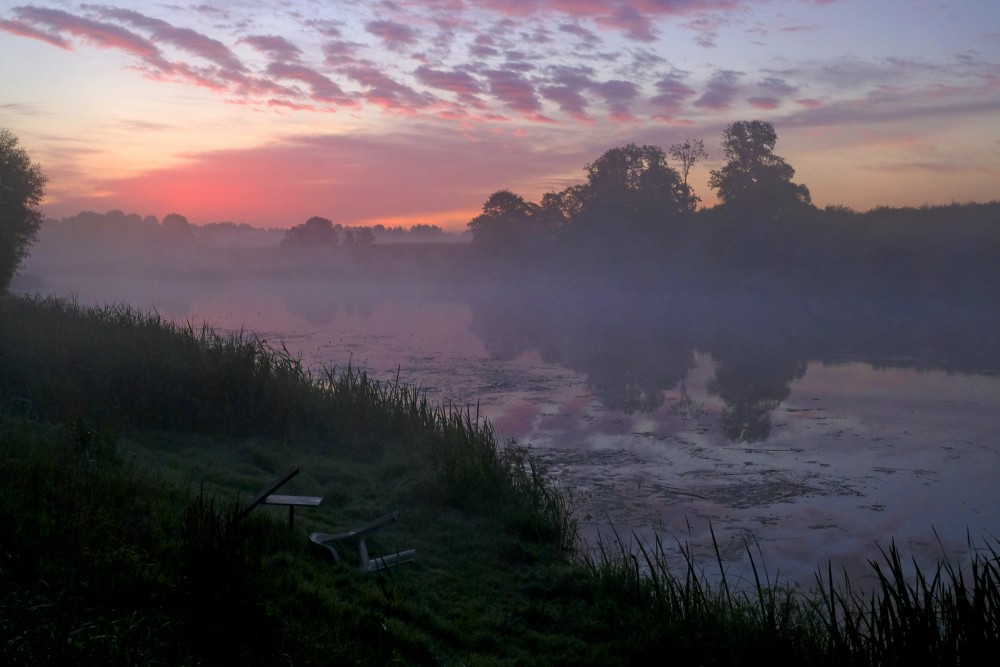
392	560
364	564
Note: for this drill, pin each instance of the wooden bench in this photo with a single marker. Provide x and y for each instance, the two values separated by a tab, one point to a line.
358	537
268	497
292	502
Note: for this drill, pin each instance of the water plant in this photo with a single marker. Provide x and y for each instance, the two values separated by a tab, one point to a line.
945	616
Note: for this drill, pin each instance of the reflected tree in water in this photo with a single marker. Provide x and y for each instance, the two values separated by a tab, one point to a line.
751	386
634	349
629	363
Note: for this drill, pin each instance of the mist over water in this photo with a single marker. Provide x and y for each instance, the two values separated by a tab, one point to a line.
816	428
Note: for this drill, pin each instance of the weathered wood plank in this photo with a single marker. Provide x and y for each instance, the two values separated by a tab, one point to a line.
301	501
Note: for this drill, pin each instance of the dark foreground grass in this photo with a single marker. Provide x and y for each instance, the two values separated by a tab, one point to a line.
128	444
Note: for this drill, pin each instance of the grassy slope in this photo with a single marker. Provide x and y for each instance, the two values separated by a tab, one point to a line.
127	445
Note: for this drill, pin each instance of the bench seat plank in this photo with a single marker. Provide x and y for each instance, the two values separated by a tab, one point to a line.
301	501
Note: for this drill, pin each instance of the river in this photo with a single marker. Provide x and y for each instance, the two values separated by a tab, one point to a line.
810	431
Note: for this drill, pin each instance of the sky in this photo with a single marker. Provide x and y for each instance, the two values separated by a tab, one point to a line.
402	112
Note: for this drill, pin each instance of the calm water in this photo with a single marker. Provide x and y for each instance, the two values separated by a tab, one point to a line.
817	430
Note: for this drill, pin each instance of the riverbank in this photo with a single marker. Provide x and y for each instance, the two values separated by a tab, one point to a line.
130	442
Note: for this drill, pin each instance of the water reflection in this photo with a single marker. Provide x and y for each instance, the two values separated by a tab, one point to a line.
633	350
612	391
318	304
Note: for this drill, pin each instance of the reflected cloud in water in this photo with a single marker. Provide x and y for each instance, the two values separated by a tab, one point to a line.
632	352
815	426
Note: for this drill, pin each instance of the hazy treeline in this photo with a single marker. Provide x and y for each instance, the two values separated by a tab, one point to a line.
116	243
117	227
636	216
634	220
912	247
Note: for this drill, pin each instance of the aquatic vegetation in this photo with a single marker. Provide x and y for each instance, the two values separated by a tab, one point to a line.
943	616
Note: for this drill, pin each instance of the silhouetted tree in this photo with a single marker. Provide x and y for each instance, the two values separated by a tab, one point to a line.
314	233
356	236
509	222
755	180
177	229
632	185
425	229
22	186
364	235
688	154
552	210
566	206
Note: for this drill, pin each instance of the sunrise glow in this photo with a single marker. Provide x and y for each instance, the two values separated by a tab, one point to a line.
407	113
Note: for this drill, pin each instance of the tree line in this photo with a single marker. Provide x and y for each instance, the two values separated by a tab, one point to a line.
635	189
636	211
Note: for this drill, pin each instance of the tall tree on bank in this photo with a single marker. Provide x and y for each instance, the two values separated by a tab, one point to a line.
688	153
755	181
22	186
508	222
634	186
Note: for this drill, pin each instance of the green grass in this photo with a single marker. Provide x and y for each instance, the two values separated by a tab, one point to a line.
128	445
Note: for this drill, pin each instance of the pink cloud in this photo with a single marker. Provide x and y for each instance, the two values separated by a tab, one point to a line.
337	53
327	28
275	46
103	35
385	91
455	81
184	38
24	30
276	103
227	76
809	103
394	35
777	86
764	103
673	93
565	89
322	88
706	29
775	89
886	105
484	46
800	28
602	8
618	96
629	20
588	37
721	90
514	91
633	17
569	99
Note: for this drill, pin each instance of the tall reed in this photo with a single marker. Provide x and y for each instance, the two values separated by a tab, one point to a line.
132	369
946	616
679	610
